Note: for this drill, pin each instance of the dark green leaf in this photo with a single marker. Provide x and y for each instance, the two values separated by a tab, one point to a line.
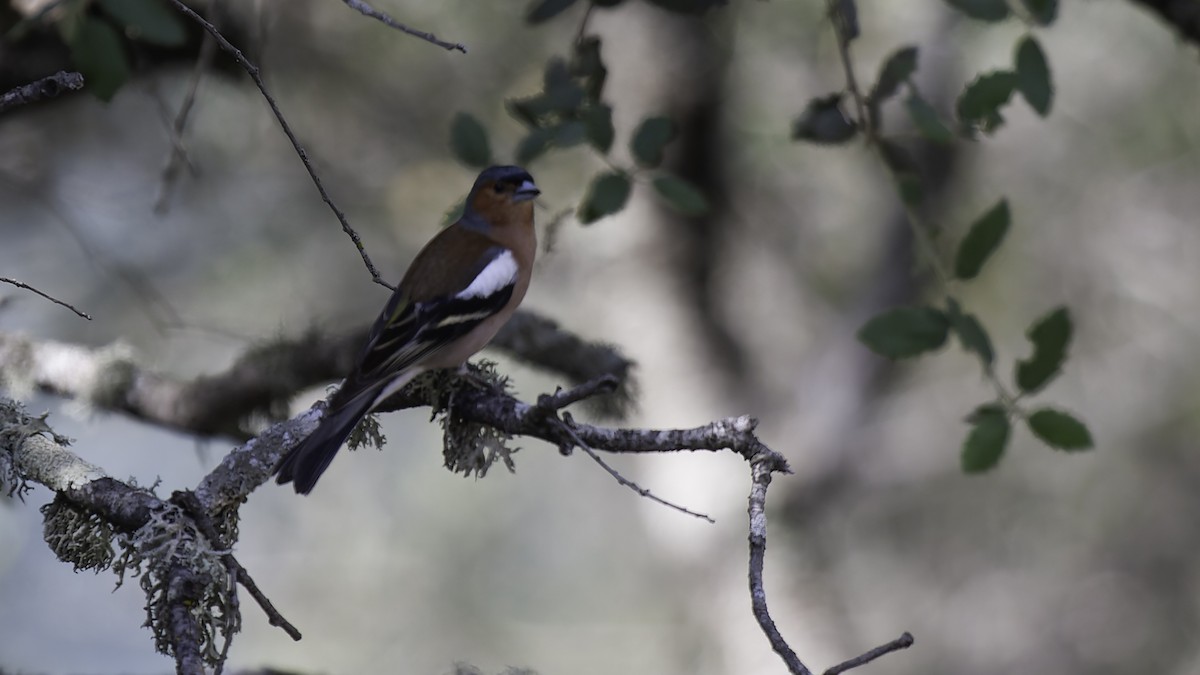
588	65
569	134
895	71
98	54
534	145
904	172
150	21
538	109
1050	336
926	119
823	121
1033	76
469	141
544	10
981	241
650	140
687	6
681	195
598	120
983	10
845	13
557	74
1060	430
970	333
1042	11
607	195
984	445
905	331
980	102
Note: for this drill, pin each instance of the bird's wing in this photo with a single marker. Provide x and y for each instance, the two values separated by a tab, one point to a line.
415	325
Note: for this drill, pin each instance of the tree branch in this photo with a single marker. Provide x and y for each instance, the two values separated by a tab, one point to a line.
261	383
225	488
367	10
47	87
253	72
51	298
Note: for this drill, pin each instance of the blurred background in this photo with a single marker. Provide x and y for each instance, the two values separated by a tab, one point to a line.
1061	563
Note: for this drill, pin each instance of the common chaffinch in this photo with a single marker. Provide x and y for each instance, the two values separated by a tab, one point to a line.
459	290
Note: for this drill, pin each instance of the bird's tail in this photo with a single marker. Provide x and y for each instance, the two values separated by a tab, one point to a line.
305	463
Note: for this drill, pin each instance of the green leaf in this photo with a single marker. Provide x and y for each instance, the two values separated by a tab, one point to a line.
1042	11
469	141
823	121
970	333
687	6
926	119
534	145
681	195
569	134
1050	336
544	10
845	15
984	445
98	54
895	71
982	240
1060	430
151	21
905	331
598	121
980	102
904	171
606	196
982	10
589	65
1033	76
650	140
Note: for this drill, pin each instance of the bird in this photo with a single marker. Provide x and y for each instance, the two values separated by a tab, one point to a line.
458	292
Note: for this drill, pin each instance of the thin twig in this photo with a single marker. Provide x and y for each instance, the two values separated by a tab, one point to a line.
370	11
761	468
187	500
583	23
561	398
903	642
273	615
47	87
178	155
51	298
253	72
843	42
568	424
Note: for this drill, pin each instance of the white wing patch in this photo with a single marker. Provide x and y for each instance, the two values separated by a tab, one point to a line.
500	272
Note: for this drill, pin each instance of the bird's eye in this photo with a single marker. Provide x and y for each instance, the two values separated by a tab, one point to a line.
497	188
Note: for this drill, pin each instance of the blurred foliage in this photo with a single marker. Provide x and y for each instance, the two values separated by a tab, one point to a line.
911	331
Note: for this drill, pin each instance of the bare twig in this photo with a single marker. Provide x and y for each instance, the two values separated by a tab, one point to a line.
843	41
47	87
253	71
605	384
370	11
178	156
903	642
51	298
761	468
273	615
623	481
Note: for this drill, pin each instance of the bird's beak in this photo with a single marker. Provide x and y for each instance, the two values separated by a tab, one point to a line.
526	191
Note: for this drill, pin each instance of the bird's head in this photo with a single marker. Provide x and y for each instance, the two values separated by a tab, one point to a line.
503	195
